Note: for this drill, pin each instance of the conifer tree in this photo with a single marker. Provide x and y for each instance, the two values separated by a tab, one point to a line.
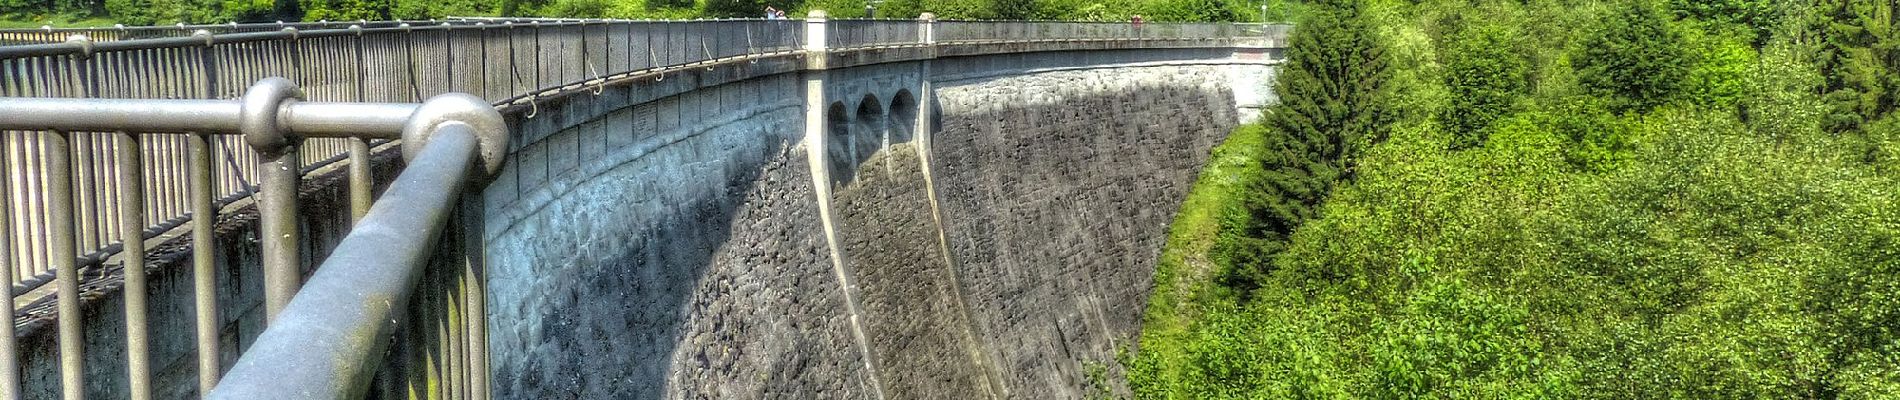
1332	105
1486	72
1634	58
1860	56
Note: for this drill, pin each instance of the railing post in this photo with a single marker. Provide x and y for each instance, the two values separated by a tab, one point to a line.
815	35
277	199
131	225
203	240
927	28
9	345
64	253
360	184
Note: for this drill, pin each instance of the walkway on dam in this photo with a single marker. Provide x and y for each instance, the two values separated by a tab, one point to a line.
386	193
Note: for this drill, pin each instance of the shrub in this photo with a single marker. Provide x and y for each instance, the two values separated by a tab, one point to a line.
1634	57
1485	71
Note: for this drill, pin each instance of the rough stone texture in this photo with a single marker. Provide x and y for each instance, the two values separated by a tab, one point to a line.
1057	189
680	257
675	248
917	326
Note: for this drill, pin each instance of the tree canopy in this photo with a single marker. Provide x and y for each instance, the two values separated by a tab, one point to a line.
1615	199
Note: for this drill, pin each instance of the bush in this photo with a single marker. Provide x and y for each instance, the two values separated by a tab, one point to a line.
1722	61
1634	57
1596	139
1486	71
1758	17
1780	102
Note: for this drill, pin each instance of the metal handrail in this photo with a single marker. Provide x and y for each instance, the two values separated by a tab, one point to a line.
330	337
268	117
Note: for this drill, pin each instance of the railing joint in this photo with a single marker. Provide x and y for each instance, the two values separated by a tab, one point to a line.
491	130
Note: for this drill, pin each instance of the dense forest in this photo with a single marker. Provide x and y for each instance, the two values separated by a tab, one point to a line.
149	12
1619	199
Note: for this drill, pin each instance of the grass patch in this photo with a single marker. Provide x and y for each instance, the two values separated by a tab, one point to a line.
1184	287
17	21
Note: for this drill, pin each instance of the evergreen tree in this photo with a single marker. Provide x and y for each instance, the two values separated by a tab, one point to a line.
1486	72
1860	56
1013	9
1332	104
1634	58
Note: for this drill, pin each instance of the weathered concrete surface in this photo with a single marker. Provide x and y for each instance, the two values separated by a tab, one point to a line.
678	256
677	248
1057	189
917	325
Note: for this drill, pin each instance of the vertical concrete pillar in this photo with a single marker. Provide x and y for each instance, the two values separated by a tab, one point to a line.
815	141
927	28
922	132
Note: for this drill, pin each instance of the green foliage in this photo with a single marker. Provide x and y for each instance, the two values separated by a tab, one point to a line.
1609	237
1193	10
1597	139
1182	276
1721	65
1486	73
1013	9
1781	101
1634	57
343	10
1860	56
1453	340
1760	17
746	8
1332	104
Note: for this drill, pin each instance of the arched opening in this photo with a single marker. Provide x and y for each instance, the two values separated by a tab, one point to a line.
903	125
869	137
838	154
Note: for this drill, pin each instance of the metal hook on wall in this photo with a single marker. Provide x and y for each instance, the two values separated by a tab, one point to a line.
534	105
750	48
653	59
600	88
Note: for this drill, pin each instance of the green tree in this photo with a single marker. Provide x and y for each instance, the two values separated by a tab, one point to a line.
1013	9
1761	17
1192	10
1634	57
132	12
1333	103
1485	70
1860	56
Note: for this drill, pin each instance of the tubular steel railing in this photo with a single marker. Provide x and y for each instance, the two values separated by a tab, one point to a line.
451	140
125	139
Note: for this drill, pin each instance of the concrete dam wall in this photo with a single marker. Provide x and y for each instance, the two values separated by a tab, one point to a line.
973	227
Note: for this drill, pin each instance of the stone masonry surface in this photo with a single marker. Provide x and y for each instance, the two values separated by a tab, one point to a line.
676	249
686	261
1057	189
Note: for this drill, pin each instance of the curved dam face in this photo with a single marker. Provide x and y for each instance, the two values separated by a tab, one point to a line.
976	227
